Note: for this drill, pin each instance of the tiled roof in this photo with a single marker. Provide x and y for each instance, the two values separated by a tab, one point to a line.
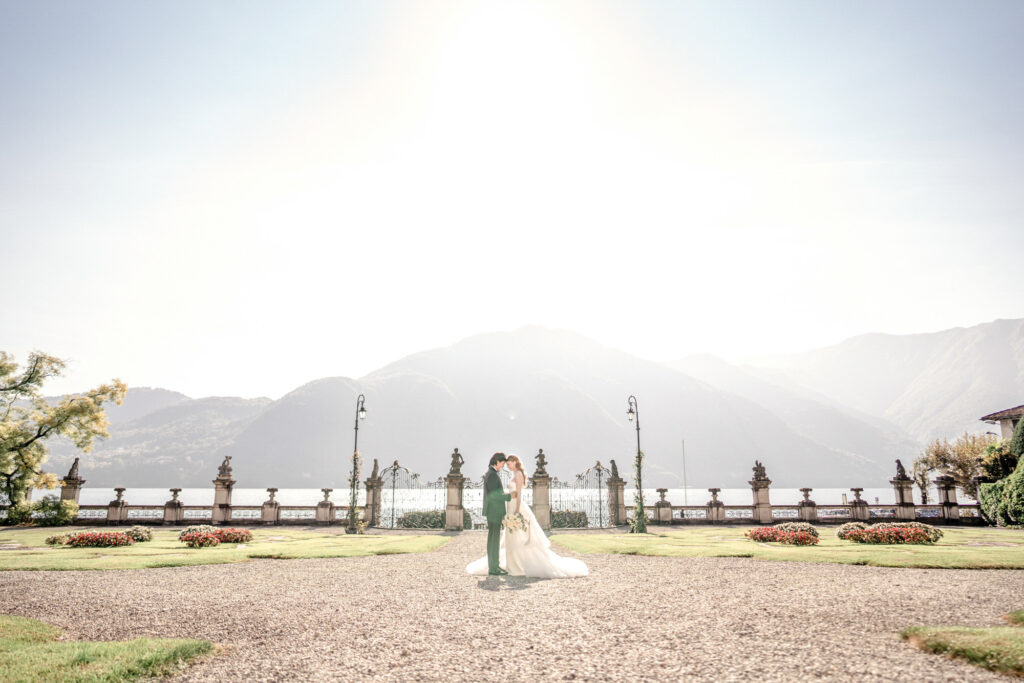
1007	414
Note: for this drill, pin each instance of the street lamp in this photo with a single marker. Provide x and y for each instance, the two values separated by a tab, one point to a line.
639	515
353	513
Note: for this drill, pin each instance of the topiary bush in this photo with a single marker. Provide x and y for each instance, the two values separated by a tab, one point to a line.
52	511
569	519
200	539
196	528
776	534
99	539
139	534
421	519
843	531
805	527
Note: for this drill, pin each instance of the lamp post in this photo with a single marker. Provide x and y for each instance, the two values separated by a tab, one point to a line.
639	515
353	513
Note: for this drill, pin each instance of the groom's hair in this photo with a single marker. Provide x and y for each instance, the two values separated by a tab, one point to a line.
496	458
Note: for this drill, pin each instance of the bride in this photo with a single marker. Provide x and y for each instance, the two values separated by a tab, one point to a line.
527	552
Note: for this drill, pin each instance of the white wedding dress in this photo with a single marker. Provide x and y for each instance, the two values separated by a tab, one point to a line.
528	553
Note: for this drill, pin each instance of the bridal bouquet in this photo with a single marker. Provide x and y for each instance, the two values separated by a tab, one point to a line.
514	522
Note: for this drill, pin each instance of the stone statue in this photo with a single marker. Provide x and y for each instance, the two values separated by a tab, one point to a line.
224	471
615	469
759	473
457	461
73	472
542	463
901	472
373	474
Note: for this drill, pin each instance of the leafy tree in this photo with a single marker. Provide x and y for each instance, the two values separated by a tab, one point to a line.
1017	441
27	421
998	462
960	459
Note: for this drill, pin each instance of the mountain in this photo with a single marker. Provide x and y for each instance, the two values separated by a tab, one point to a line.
828	424
160	438
932	385
529	389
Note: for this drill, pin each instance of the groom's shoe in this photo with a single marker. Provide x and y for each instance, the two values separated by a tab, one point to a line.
500	572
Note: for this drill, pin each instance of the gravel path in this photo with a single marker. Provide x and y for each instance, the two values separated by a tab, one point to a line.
419	617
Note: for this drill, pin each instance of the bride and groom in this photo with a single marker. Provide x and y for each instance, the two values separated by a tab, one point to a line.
516	544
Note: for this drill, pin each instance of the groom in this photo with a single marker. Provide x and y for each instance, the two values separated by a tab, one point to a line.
494	511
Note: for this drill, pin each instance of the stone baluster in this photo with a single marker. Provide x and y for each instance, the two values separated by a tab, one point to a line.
325	508
662	509
716	508
859	507
946	487
117	511
174	509
270	513
808	508
71	485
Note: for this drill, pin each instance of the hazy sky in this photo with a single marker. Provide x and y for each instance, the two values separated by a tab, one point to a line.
236	198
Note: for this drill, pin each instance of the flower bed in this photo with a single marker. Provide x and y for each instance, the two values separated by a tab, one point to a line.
140	534
99	539
200	528
806	527
843	531
890	535
199	539
775	534
233	535
59	539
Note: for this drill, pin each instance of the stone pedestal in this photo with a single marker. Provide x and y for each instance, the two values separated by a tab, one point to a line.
616	501
542	500
859	507
174	509
325	508
762	505
662	509
373	486
117	509
903	487
453	511
270	513
72	484
946	487
808	511
222	485
716	508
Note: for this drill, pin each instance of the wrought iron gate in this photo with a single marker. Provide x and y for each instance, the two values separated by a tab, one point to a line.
582	502
408	502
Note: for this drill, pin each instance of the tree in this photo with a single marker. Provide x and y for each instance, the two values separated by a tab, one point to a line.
998	462
1017	440
960	459
28	420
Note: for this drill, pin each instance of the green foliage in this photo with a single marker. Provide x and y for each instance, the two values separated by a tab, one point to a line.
1002	502
570	519
58	539
843	531
20	513
639	516
30	651
998	462
52	511
29	420
1017	441
959	458
999	648
140	534
791	527
429	519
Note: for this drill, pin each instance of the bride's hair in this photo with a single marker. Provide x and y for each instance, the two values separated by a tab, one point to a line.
518	462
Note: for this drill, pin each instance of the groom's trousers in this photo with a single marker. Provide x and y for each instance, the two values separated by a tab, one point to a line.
493	544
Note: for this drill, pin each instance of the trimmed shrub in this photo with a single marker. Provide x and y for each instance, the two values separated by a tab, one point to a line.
890	535
421	519
99	539
52	511
200	539
140	534
934	534
806	527
765	534
1013	491
59	539
843	531
19	514
233	535
775	534
196	528
569	519
798	538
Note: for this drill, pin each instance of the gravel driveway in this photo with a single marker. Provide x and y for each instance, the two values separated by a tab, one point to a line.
419	617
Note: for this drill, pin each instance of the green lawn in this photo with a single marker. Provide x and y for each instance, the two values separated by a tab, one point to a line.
166	551
1000	648
967	548
30	652
1016	617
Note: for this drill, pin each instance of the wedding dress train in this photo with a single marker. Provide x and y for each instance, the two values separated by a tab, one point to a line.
528	553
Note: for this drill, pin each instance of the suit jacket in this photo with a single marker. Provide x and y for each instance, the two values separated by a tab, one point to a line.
494	497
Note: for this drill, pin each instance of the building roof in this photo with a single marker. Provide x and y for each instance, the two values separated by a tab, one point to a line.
1007	414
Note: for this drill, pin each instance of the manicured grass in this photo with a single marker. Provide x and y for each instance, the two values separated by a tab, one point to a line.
1016	617
165	550
968	548
30	652
1000	648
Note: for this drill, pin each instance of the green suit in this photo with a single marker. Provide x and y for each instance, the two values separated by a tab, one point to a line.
494	511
